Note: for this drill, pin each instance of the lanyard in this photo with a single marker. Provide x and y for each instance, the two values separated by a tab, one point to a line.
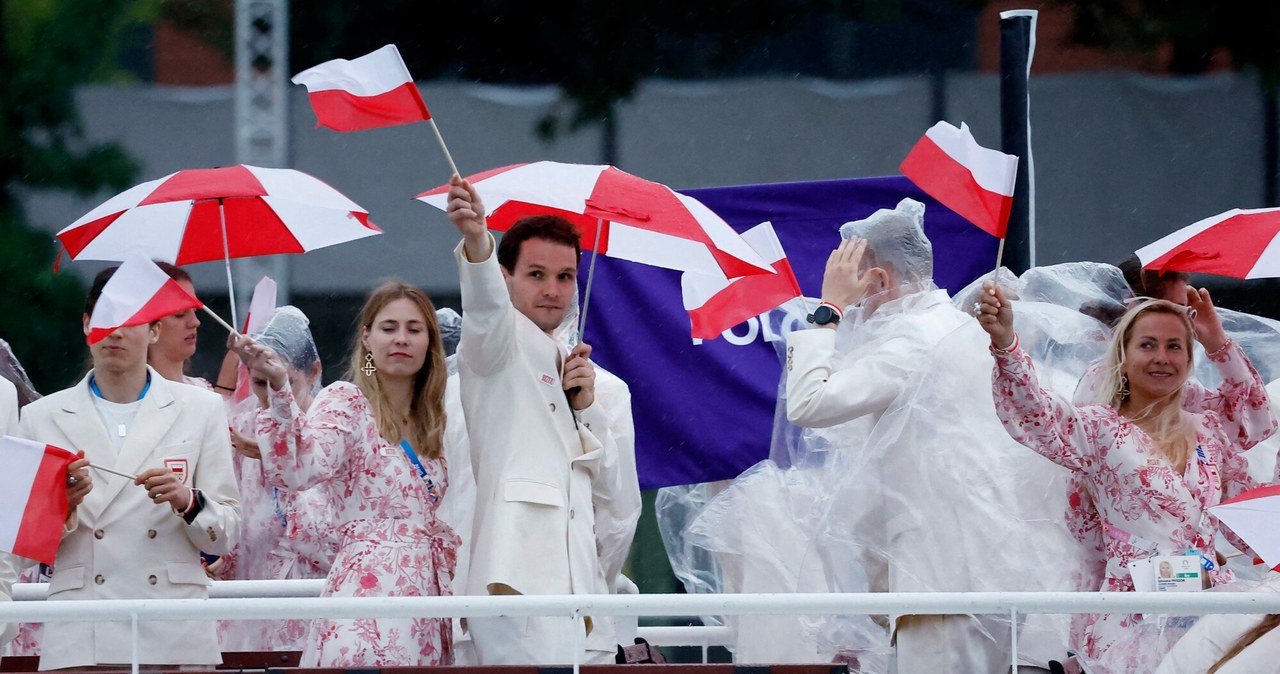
413	456
93	386
422	470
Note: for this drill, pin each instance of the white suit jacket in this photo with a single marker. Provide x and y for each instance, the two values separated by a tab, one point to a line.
10	565
540	467
119	544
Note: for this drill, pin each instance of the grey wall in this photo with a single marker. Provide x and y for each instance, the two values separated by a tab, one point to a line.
1120	158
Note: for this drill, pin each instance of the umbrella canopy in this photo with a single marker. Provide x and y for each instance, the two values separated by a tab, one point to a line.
637	220
180	217
1240	243
1255	517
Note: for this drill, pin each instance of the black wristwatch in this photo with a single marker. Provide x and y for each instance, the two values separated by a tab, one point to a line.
824	315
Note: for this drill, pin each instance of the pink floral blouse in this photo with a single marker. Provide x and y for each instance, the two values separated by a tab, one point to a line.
1144	505
392	543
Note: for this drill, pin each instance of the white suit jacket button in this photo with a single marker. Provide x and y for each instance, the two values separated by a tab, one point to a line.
571	513
99	579
151	579
553	407
99	534
151	533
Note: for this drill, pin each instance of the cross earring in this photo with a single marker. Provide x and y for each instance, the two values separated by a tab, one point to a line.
369	368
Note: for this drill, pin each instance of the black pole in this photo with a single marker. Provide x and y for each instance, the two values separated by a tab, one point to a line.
1271	147
1017	31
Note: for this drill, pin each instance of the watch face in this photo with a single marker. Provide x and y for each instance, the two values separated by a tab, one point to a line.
824	315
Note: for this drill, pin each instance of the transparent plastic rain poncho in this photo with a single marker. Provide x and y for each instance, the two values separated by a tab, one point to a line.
12	370
930	494
273	544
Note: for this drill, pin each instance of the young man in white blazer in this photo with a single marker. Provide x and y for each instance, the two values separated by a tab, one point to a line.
139	538
550	487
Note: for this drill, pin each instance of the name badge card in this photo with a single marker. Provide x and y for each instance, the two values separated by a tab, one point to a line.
1178	574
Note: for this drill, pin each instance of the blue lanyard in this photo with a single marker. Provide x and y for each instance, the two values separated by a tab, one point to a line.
93	386
422	470
417	463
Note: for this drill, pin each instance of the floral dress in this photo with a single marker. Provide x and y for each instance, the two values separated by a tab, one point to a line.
391	542
1145	507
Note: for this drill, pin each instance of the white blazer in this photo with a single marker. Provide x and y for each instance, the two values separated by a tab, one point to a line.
10	565
120	545
540	467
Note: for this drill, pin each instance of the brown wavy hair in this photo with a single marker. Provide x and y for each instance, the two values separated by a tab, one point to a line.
1269	622
425	428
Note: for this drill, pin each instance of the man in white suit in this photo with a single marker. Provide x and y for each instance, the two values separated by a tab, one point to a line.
550	491
139	538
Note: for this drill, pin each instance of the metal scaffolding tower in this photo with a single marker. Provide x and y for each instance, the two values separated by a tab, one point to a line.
262	116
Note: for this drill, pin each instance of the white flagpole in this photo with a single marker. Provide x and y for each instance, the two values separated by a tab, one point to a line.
218	318
995	275
108	470
440	139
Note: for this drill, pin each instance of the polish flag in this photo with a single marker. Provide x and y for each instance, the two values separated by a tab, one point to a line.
372	91
138	293
261	307
33	497
716	303
974	181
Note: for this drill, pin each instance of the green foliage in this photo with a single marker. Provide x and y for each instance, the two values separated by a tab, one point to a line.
47	47
42	310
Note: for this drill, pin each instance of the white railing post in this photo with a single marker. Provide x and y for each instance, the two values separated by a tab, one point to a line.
578	638
133	629
1013	637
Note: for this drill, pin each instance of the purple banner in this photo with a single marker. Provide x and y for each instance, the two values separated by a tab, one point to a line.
704	411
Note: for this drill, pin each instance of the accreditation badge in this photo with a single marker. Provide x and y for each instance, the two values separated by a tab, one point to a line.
1181	573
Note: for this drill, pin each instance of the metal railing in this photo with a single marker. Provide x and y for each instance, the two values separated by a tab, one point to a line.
268	600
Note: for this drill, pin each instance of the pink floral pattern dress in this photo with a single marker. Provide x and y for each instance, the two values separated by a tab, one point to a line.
1144	505
391	542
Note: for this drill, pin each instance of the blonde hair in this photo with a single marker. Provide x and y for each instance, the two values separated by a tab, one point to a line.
1173	434
425	427
1269	622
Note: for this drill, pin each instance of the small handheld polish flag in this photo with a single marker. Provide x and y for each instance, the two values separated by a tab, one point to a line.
716	303
974	181
33	497
369	92
138	293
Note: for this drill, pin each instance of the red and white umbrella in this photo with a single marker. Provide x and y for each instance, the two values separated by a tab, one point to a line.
636	219
1240	243
199	215
1255	517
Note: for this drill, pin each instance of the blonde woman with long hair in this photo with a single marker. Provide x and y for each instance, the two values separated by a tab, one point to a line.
1153	467
376	442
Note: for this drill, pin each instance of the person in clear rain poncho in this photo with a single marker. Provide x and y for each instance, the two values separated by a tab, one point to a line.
924	495
285	534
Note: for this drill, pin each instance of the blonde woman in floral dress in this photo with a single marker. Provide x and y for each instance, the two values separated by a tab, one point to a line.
1153	467
378	442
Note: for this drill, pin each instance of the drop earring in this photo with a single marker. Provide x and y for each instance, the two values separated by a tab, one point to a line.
1124	386
369	368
